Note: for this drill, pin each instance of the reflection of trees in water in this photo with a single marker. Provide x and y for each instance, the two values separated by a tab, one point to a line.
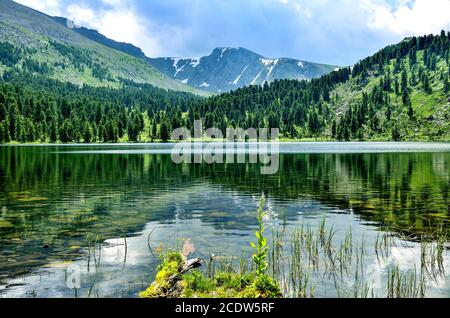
106	194
409	190
408	186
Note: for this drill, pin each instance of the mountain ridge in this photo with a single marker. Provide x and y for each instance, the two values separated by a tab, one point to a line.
71	56
228	68
401	93
96	36
225	69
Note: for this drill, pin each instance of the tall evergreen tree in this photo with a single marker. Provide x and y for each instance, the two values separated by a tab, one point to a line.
164	130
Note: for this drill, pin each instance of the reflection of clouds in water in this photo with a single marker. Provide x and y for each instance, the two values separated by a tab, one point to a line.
212	206
408	259
405	258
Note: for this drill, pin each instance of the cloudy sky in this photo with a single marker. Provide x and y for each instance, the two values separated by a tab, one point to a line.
329	31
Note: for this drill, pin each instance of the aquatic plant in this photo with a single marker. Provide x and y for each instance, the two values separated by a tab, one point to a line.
307	260
405	285
260	248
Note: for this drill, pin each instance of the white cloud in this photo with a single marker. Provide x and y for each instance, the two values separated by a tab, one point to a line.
412	17
328	31
117	19
83	15
51	7
113	2
125	26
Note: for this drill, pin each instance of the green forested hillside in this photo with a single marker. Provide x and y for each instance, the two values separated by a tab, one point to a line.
59	52
59	86
400	93
37	109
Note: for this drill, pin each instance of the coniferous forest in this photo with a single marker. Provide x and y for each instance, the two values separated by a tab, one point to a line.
97	199
400	93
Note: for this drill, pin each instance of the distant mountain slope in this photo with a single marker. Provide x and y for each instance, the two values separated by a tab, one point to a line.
68	55
223	70
226	69
100	38
401	93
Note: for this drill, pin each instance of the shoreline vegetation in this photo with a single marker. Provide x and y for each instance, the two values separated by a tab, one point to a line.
273	274
209	140
174	279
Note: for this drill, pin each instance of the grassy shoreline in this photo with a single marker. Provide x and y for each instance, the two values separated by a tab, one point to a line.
295	265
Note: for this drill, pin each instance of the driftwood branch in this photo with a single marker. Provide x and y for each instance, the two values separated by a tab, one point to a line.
175	289
191	264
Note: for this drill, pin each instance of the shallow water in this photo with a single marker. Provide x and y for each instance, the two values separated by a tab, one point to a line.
55	200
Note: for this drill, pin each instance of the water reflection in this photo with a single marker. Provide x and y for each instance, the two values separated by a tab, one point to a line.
52	198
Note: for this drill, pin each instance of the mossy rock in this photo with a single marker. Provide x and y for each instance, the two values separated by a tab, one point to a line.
170	282
167	281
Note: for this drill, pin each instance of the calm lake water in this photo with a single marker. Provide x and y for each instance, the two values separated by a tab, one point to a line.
71	207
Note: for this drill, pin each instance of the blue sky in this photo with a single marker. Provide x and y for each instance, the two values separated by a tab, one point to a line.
329	31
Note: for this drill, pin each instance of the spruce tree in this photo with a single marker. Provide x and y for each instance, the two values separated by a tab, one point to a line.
53	131
3	111
154	133
87	132
405	98
164	130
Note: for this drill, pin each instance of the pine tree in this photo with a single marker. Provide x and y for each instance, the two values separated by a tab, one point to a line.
410	111
2	132
396	133
404	80
446	84
164	130
389	111
14	121
154	133
405	98
412	57
53	131
3	111
94	132
66	132
87	132
334	129
426	84
396	86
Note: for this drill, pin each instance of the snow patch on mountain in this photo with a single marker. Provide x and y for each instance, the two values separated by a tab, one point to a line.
195	62
228	68
175	65
256	78
271	68
236	81
223	51
266	62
